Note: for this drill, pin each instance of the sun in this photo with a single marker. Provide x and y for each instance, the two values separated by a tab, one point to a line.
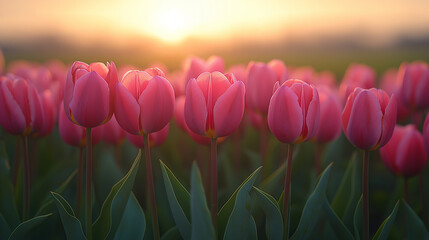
171	25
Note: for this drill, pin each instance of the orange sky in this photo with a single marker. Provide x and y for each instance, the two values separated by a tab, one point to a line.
172	20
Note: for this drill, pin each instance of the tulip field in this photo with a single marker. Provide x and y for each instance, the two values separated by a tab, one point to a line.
255	150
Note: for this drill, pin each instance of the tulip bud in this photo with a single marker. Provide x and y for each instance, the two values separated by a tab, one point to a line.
414	78
214	104
405	153
144	103
330	115
294	111
369	118
357	75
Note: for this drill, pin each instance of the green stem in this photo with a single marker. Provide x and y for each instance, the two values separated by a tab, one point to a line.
79	182
406	191
365	195
150	186
286	196
26	180
88	183
263	147
16	163
423	198
213	168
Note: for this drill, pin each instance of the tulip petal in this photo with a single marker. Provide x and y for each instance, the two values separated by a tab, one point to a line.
285	115
229	109
11	116
313	115
71	133
156	105
364	127
422	96
411	159
90	105
195	108
389	121
127	110
260	83
345	116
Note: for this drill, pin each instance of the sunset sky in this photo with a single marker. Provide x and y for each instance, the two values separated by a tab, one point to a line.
172	21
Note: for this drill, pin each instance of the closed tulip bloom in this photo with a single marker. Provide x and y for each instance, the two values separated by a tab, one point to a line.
405	153
414	78
261	78
214	104
369	118
89	92
112	132
330	115
20	104
357	75
48	112
144	103
155	138
75	135
294	111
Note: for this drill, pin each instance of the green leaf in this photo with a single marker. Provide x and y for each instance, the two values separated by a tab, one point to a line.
341	231
274	220
253	231
172	234
72	226
357	219
236	227
349	192
202	227
311	212
385	228
4	228
133	223
46	205
113	207
25	228
178	199
415	227
225	212
7	204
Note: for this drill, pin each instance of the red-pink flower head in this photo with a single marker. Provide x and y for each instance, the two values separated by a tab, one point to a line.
194	66
89	93
144	103
294	111
414	80
357	75
405	153
330	115
369	118
214	104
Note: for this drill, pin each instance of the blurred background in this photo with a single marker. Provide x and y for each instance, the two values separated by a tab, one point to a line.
328	34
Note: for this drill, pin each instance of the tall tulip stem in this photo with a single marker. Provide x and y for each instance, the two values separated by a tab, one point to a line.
365	195
263	147
213	168
16	163
26	179
79	182
150	186
88	183
286	196
423	197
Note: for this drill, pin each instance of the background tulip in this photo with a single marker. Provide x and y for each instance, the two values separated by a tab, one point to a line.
112	132
414	80
405	153
294	112
214	104
330	115
357	75
369	118
144	103
89	93
194	66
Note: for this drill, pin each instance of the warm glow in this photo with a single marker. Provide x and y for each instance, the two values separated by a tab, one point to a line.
170	25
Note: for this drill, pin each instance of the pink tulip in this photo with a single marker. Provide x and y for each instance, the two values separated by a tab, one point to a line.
20	104
89	93
325	78
48	113
112	132
75	135
357	75
305	74
391	84
144	103
294	111
240	73
214	104
155	138
405	153
414	78
194	66
369	118
261	78
330	115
